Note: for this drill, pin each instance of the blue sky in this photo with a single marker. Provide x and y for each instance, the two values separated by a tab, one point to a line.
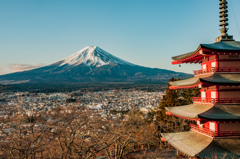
144	32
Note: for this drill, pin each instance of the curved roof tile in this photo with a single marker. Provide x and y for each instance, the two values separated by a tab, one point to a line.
221	46
216	78
194	144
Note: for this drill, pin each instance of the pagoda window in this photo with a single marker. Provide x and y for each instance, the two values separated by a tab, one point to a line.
213	94
203	94
212	126
213	64
204	66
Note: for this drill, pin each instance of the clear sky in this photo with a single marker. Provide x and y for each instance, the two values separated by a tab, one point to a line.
143	32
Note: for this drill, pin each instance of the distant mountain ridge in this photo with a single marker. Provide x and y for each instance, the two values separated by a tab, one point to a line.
90	65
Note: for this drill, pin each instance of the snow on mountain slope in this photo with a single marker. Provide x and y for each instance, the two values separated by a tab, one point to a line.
84	67
92	56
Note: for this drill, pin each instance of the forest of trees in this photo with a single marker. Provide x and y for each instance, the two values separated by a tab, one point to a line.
78	133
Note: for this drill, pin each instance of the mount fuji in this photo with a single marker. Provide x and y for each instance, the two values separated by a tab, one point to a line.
89	65
93	56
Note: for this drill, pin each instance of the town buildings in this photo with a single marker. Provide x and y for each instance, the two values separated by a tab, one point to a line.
107	104
216	133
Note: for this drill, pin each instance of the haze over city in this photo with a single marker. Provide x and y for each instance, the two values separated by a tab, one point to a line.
147	33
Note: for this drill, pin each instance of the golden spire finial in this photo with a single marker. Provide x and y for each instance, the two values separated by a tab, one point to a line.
224	22
223	15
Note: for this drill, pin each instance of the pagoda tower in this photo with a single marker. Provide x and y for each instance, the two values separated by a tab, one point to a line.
217	112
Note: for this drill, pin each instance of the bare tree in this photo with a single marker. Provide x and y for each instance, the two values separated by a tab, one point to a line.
79	134
23	140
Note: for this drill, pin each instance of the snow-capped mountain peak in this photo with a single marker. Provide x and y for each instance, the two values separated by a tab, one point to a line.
84	67
93	56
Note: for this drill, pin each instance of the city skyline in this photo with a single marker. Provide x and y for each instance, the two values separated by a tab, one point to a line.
37	33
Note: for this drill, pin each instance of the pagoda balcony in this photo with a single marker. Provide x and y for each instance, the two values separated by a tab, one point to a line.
202	130
211	133
217	69
215	100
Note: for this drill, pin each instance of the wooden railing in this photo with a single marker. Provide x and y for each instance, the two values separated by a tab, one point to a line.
217	69
203	100
205	131
197	72
212	133
216	100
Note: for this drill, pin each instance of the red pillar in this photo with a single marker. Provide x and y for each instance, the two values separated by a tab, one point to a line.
217	62
216	128
217	93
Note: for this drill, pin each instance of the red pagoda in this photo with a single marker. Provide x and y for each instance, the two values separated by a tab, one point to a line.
217	111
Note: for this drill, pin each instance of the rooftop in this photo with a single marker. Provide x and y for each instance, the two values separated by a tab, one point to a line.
203	111
208	49
195	144
215	78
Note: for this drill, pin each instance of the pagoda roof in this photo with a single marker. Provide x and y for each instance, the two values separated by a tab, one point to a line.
222	112
195	144
222	46
187	82
222	78
203	111
216	78
189	111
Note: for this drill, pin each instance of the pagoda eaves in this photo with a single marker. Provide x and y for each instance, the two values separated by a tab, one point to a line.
220	79
204	112
219	48
196	144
